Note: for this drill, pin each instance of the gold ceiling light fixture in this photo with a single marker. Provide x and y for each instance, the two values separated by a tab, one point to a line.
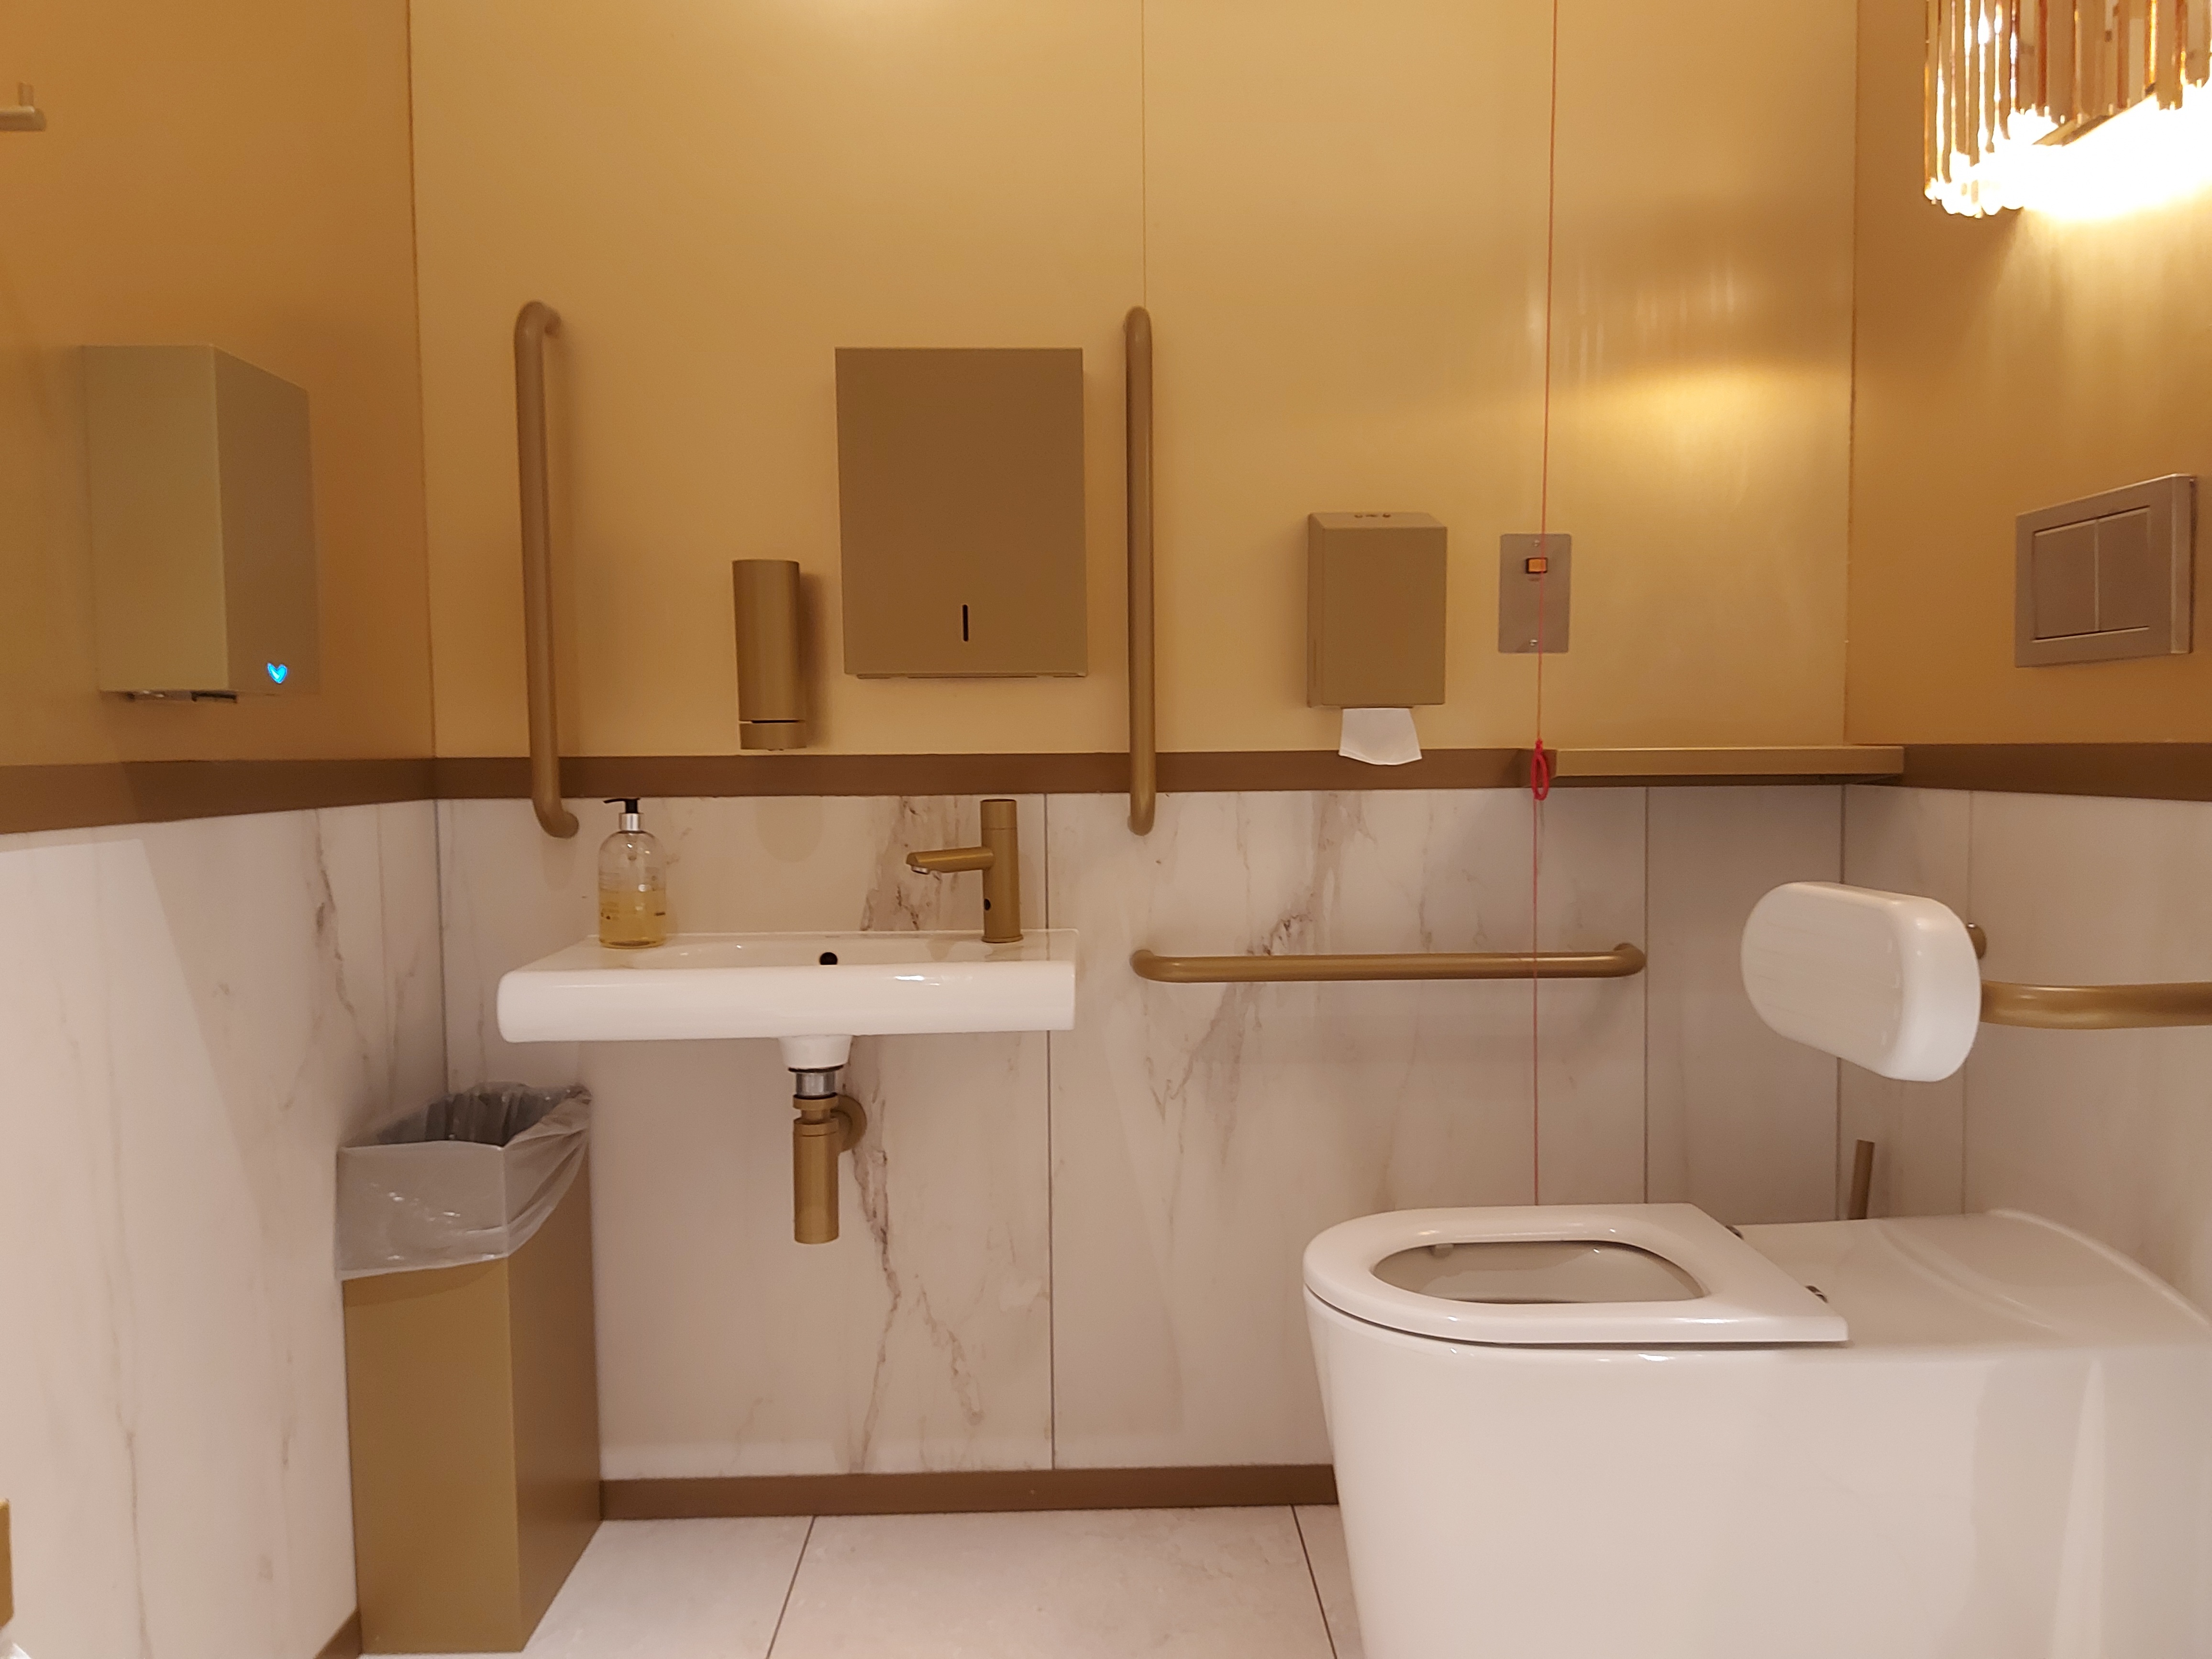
2013	86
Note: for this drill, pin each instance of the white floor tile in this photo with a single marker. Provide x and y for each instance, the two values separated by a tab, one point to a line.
1085	1584
674	1590
1323	1529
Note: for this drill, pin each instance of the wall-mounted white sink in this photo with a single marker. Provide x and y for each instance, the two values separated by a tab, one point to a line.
792	986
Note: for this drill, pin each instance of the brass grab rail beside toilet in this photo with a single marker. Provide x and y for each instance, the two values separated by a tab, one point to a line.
1622	961
2090	1007
535	321
2096	1007
1143	759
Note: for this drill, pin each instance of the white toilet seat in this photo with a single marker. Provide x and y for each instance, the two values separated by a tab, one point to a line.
1747	1300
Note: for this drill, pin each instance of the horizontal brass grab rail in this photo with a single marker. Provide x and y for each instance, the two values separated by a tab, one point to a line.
1619	962
2096	1007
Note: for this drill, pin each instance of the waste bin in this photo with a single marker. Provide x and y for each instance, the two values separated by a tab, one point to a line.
465	1244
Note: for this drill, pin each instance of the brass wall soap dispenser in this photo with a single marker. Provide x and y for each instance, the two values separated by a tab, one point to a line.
633	884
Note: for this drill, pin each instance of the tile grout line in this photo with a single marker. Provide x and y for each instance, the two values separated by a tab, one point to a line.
438	914
776	1635
1051	1177
1836	1165
1644	991
1313	1578
1965	1069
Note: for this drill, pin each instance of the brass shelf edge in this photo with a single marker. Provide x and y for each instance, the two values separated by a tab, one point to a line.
1830	760
2096	1007
1622	961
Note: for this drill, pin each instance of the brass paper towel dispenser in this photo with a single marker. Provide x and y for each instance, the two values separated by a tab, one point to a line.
960	502
1374	610
203	512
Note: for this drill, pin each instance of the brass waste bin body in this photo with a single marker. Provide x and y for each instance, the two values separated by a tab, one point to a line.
472	1397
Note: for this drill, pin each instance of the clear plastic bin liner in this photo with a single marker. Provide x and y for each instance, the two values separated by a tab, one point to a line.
469	1178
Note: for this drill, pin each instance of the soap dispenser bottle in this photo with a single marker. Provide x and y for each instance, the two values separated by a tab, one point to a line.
632	886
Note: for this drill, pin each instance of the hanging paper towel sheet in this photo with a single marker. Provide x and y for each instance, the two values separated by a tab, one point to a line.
1381	737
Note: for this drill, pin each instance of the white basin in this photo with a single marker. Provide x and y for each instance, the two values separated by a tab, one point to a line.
778	985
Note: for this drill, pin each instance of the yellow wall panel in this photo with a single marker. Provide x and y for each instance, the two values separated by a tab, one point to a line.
1345	242
1701	397
235	173
1336	214
715	198
2005	364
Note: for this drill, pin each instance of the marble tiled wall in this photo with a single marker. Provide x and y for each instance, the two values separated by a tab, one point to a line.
1083	1249
1201	1134
192	1017
1080	1249
1742	1121
1908	841
2109	1132
922	1339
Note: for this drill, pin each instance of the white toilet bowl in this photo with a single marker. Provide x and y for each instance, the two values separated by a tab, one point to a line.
1628	1432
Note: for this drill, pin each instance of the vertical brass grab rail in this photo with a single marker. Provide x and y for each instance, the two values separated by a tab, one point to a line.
1143	761
536	321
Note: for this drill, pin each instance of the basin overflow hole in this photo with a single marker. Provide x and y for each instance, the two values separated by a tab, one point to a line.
828	958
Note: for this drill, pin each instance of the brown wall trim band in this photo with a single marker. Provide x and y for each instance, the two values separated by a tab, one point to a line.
584	777
151	791
1769	763
970	1491
2142	771
346	1643
158	792
587	777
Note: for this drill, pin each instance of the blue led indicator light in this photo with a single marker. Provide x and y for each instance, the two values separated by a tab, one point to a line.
278	671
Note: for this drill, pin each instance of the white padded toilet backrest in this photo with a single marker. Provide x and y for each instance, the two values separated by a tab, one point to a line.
1887	980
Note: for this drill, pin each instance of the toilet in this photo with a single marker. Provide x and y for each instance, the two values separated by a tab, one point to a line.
1626	1432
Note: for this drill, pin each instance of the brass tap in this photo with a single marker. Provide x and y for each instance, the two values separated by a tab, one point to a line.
1000	858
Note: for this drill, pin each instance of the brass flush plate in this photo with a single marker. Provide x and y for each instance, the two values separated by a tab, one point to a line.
1528	567
960	503
2107	577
